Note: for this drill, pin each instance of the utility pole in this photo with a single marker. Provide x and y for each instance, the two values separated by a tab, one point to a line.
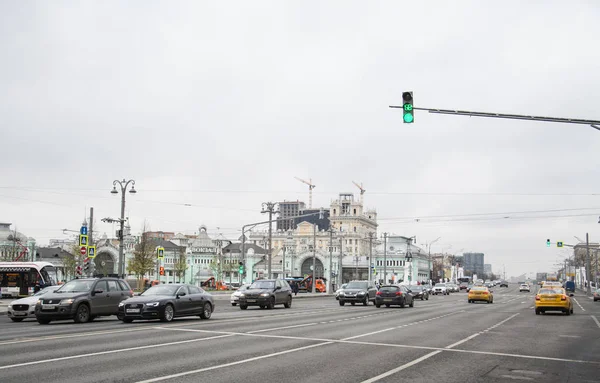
385	258
330	284
270	207
340	270
371	235
587	264
314	270
91	240
123	186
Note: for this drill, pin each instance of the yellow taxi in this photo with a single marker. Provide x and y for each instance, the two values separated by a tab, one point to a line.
480	293
553	299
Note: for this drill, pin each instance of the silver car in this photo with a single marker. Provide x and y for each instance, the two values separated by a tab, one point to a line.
235	296
25	308
337	292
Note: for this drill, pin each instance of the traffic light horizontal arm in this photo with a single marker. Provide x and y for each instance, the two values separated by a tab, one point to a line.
592	123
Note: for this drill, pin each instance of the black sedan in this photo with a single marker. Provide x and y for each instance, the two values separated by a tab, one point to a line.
394	295
266	293
419	292
166	302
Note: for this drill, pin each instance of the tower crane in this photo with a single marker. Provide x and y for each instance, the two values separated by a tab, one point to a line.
311	186
362	190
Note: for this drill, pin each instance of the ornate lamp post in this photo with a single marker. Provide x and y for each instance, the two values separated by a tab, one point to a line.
123	186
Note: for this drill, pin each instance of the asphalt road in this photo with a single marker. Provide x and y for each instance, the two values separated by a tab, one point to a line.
444	339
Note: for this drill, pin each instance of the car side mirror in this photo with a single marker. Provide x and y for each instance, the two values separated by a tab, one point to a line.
181	294
410	291
277	288
97	292
571	295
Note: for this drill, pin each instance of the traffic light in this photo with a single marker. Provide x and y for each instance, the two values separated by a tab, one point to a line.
78	271
86	265
407	107
160	251
162	270
559	244
241	268
547	243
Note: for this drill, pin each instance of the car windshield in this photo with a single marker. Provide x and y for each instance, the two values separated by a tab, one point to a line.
161	290
263	285
76	286
389	288
46	291
415	288
547	292
478	288
357	285
440	285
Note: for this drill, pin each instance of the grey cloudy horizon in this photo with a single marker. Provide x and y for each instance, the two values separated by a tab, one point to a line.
220	105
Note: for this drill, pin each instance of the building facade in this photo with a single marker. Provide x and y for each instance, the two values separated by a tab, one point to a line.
474	264
288	209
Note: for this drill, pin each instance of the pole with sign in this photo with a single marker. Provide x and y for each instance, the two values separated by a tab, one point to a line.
91	251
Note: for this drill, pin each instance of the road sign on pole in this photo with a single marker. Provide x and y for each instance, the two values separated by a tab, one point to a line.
83	230
91	251
83	240
83	250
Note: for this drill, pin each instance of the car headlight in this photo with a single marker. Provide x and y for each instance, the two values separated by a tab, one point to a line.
341	293
361	293
242	295
9	307
265	294
121	304
67	302
39	302
152	304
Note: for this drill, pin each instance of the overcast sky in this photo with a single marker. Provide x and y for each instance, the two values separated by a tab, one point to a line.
220	104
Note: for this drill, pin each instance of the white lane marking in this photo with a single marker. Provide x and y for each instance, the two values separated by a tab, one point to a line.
595	320
165	377
94	354
283	328
581	307
514	377
569	336
398	369
427	356
370	333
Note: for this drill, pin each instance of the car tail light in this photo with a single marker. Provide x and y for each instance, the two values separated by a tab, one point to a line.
399	293
563	298
379	293
485	293
537	297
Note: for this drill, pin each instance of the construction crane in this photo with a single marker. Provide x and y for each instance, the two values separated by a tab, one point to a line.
362	190
311	186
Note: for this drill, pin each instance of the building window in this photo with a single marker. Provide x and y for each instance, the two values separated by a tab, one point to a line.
355	229
333	211
354	211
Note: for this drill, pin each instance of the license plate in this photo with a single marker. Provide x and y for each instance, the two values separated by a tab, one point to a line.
387	299
132	311
48	307
250	300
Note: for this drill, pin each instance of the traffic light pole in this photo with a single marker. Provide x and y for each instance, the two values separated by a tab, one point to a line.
593	123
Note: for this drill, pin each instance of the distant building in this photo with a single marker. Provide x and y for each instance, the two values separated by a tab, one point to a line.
322	223
289	209
159	235
473	263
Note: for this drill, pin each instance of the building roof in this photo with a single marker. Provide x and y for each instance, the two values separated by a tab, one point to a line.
237	248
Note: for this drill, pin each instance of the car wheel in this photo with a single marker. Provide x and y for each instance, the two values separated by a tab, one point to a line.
17	319
537	311
492	301
422	298
127	320
288	304
82	314
412	303
572	312
206	311
342	303
568	312
234	304
167	313
402	304
43	321
271	304
427	298
366	302
243	307
377	305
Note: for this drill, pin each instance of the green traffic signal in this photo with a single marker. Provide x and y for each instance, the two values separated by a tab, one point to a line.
547	243
407	107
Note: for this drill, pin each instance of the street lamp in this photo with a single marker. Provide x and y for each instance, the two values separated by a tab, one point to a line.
123	186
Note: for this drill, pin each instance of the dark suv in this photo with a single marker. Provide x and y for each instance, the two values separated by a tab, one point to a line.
83	300
266	293
358	291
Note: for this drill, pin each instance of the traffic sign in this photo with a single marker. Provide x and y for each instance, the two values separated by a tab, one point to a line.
91	251
83	230
559	244
83	240
160	251
83	250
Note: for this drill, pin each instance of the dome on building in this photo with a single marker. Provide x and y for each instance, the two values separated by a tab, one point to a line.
6	234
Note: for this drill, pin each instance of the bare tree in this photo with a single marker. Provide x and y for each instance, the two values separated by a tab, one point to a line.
180	264
70	260
144	256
